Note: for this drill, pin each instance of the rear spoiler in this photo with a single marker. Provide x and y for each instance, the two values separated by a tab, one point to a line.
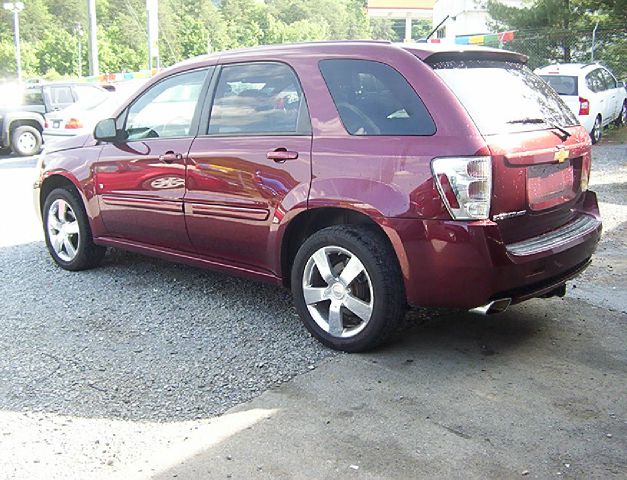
465	55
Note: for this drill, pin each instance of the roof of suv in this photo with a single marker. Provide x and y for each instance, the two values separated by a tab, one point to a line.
421	50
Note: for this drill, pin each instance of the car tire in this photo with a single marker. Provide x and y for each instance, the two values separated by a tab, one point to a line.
26	141
622	117
597	130
67	231
348	288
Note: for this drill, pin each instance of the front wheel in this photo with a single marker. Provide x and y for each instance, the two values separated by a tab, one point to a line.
597	128
348	288
67	232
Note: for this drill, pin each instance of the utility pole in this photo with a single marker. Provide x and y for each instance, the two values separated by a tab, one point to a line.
78	30
93	42
152	10
16	8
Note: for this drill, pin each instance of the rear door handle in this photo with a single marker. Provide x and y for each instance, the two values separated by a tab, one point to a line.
280	155
170	157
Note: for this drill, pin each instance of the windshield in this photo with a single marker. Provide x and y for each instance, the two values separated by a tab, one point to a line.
504	97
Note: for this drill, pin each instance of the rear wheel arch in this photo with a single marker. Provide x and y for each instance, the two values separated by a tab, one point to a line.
310	221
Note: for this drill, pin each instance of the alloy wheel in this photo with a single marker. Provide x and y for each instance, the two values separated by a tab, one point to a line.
338	291
63	230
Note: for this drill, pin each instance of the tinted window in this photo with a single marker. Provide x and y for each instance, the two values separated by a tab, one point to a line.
503	97
562	84
89	96
374	99
166	109
33	96
608	79
595	81
258	98
60	96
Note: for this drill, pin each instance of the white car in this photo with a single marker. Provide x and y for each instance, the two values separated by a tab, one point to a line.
591	92
82	116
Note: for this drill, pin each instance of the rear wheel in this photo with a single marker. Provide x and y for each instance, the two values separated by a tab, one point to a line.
67	232
347	287
597	128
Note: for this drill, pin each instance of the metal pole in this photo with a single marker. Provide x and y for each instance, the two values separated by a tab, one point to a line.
594	37
18	53
408	28
93	42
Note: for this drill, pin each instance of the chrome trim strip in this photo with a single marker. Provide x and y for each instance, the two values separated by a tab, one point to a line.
506	215
563	235
149	204
258	214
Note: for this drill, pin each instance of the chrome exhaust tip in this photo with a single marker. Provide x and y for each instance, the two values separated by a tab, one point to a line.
495	306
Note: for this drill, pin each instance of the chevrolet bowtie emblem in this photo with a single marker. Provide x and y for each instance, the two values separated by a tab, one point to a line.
561	154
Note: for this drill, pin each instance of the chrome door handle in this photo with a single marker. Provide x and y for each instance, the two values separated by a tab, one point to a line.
170	157
280	155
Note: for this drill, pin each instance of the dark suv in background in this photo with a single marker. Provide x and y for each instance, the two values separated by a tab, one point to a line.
22	123
365	176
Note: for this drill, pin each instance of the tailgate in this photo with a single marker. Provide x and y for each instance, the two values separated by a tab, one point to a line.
537	179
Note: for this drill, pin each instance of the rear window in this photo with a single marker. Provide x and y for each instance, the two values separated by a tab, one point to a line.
33	96
562	84
372	98
504	97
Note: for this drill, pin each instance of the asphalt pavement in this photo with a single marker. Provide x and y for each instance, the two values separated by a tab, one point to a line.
148	370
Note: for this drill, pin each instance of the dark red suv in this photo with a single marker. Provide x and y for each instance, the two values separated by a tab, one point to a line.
365	175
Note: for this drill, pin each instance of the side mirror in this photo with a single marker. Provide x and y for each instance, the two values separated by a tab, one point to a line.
107	131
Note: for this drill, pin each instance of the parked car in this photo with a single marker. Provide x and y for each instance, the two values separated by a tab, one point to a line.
365	176
22	120
81	117
591	92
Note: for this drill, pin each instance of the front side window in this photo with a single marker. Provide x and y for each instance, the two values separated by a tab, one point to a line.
258	99
608	79
372	98
167	109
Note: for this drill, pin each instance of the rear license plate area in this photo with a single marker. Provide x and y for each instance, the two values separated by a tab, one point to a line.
549	185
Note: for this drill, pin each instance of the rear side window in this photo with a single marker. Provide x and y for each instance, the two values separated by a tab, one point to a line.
504	97
372	98
258	99
33	96
562	84
595	81
61	96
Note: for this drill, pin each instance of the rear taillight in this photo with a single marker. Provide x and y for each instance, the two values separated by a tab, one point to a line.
584	106
465	185
73	123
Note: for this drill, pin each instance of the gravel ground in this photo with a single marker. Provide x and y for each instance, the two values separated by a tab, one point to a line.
141	339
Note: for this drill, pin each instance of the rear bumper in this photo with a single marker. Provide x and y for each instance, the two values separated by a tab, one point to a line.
467	264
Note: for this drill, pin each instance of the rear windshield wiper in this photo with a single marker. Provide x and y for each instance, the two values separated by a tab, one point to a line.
564	133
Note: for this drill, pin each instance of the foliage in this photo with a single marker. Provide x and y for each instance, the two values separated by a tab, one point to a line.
552	31
50	30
